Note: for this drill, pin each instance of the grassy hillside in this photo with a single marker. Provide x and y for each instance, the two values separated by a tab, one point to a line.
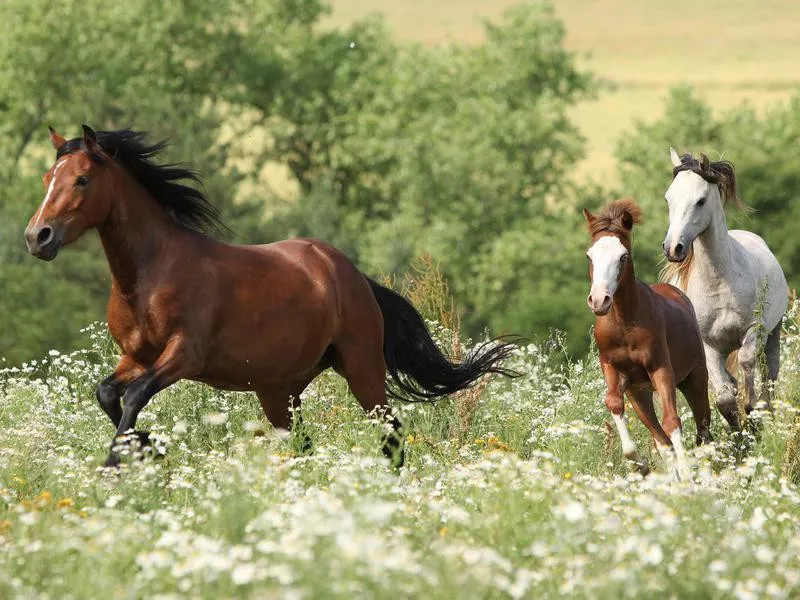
515	491
733	52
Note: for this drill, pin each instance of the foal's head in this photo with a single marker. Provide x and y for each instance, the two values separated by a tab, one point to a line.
699	188
610	252
77	196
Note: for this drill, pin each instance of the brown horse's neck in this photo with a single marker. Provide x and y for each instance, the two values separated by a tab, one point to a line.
626	298
135	231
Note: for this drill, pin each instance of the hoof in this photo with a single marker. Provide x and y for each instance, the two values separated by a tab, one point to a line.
112	462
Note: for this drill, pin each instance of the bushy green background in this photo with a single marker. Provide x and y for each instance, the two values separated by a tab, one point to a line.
387	149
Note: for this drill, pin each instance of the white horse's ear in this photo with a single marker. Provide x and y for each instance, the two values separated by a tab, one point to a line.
673	156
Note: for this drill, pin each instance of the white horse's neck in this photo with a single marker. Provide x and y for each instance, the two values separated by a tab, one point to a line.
712	248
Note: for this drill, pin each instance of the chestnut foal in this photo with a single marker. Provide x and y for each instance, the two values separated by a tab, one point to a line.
648	339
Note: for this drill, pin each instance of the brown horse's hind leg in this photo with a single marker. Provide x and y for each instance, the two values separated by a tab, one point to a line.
281	403
695	390
365	371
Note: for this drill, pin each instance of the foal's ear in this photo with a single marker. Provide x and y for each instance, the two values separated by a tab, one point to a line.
627	220
590	218
90	141
674	158
55	138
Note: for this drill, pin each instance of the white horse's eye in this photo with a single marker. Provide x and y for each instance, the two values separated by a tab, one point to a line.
701	202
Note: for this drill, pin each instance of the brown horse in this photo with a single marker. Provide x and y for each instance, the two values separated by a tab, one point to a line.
648	339
267	319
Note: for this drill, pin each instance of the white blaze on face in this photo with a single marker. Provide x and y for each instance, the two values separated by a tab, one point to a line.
606	256
49	192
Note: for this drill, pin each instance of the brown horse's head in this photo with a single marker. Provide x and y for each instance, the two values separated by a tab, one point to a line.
76	196
610	251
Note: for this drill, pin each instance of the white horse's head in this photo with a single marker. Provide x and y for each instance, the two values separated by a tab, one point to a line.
698	190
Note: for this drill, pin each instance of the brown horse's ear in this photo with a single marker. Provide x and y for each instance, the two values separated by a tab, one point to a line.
90	141
590	218
704	163
55	138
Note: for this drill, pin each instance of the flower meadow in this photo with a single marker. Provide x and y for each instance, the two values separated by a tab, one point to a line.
516	489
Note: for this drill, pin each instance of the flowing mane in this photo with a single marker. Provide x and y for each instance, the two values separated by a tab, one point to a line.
618	218
720	173
131	149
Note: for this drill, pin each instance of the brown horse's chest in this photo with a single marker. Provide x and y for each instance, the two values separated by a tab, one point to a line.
628	352
136	331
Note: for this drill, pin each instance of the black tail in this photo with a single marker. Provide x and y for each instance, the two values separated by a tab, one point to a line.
418	369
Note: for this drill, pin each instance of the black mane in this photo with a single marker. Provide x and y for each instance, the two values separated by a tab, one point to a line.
131	149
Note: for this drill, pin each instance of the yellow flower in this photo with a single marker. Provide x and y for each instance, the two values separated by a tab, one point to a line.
18	480
64	503
5	524
410	438
44	499
442	531
567	475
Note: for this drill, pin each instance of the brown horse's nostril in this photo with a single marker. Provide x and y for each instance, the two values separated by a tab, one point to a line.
45	236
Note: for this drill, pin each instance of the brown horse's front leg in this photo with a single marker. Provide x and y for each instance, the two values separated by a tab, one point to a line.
175	363
110	390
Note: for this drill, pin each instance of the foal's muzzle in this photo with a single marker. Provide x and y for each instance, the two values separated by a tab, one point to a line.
43	241
600	304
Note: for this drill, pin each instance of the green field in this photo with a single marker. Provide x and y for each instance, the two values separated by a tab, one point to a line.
518	490
731	52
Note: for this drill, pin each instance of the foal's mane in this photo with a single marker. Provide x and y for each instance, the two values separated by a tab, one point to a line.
131	149
720	173
617	217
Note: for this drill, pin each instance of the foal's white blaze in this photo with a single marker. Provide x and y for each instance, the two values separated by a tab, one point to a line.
49	192
606	256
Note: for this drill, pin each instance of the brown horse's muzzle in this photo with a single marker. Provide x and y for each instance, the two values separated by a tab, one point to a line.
44	241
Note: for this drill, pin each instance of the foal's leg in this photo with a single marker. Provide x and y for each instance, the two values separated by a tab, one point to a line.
769	372
724	386
176	362
616	406
663	380
110	390
695	390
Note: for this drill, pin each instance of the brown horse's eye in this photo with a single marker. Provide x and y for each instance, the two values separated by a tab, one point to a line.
623	258
82	181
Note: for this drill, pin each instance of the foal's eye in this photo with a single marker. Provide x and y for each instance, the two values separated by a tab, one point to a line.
623	258
701	202
81	181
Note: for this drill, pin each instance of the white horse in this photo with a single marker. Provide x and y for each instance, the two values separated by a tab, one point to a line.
737	287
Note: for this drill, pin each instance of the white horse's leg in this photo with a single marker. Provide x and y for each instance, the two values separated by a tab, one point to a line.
724	386
748	357
772	353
